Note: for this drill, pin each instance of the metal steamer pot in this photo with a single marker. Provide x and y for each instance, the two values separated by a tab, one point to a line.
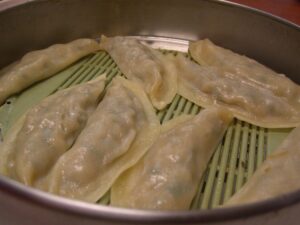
33	24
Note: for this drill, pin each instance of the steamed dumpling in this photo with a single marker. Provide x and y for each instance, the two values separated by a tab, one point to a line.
245	69
116	136
41	64
168	175
144	65
206	85
46	131
278	174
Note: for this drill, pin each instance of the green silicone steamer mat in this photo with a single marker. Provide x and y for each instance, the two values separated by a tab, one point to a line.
243	148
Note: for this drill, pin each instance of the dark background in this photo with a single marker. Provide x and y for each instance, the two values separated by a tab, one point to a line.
287	9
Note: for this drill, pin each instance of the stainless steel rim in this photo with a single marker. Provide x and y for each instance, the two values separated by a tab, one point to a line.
145	217
113	214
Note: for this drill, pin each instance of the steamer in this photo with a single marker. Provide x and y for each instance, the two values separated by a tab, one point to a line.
244	146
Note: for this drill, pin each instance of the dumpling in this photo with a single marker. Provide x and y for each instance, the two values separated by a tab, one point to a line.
47	130
206	85
278	174
41	64
168	175
245	69
116	136
147	66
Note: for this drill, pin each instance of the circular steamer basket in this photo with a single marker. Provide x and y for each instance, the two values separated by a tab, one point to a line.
32	24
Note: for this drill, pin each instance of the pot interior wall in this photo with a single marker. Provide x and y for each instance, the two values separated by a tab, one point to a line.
37	24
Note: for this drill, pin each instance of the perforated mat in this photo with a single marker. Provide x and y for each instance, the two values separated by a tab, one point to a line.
243	148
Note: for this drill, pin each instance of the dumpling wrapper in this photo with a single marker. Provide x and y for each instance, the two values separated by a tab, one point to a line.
206	86
148	67
245	69
116	136
41	64
46	131
167	177
277	175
